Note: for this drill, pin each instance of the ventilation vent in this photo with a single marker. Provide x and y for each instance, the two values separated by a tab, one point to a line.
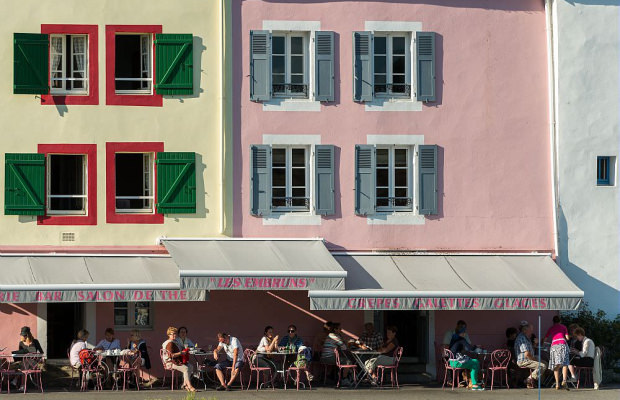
364	158
260	158
425	46
323	158
67	236
323	45
259	43
427	158
362	44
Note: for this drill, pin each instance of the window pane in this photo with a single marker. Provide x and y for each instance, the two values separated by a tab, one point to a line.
278	157
278	65
398	79
382	198
277	197
299	192
297	64
398	45
299	79
400	177
278	44
142	314
398	64
400	192
128	61
380	45
278	176
66	204
400	157
299	157
382	157
380	64
297	45
120	316
382	177
66	174
298	177
278	79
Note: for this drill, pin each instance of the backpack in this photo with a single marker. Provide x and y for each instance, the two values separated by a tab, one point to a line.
304	356
86	357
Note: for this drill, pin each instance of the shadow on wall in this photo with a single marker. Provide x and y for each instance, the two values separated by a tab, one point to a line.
440	188
199	48
10	309
337	187
438	71
594	2
597	293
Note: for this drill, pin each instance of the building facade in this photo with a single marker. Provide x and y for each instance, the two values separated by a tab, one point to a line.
587	143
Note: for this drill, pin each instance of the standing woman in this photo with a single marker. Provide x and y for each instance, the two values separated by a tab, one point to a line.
28	344
558	356
174	358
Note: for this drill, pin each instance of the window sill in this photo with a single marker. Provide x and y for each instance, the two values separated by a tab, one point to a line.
398	218
291	104
393	104
292	219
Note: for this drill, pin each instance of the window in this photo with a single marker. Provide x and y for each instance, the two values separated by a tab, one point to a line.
393	179
289	71
69	64
133	64
605	171
133	315
66	184
289	174
129	65
392	65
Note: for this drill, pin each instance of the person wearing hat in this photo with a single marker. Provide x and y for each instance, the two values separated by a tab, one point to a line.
28	344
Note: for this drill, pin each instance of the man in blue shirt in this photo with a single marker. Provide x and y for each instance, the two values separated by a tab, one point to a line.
291	338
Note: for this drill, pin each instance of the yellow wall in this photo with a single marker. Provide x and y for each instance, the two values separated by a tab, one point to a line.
187	124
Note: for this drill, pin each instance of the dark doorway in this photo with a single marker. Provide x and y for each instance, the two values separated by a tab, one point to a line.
63	322
412	333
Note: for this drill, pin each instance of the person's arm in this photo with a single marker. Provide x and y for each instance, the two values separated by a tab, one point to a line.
388	347
273	345
235	355
38	347
216	350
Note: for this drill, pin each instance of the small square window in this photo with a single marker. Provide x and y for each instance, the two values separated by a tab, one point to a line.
133	315
134	182
605	171
66	179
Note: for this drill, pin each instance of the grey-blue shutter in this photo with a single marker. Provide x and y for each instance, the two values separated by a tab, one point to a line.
427	198
365	179
324	179
425	65
260	65
324	65
260	179
363	87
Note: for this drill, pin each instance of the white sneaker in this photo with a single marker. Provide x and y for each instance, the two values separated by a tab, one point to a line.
596	386
572	379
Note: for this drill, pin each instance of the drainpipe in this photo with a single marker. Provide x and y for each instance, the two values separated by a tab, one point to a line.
551	15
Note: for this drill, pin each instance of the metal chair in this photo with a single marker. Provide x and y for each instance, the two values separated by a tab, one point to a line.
398	353
447	355
93	366
344	366
499	363
166	360
250	356
130	364
31	366
228	373
5	371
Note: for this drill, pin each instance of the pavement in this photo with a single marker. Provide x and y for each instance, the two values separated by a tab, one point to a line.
323	393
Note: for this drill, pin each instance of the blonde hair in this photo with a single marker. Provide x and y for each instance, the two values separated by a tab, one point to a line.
171	330
134	333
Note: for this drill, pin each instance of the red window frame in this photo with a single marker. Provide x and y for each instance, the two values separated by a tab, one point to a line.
112	217
92	98
90	150
113	99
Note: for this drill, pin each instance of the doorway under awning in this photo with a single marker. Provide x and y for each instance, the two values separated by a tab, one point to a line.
255	264
91	278
450	282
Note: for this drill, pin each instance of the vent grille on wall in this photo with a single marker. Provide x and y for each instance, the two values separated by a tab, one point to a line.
68	236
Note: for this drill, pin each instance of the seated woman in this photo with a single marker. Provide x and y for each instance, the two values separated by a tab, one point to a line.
386	350
137	344
267	344
174	359
182	340
28	344
334	341
583	358
109	343
78	345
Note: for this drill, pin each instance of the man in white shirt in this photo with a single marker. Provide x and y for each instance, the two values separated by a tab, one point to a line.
109	343
234	358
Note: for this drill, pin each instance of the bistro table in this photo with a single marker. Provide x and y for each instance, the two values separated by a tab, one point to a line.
113	356
360	357
283	354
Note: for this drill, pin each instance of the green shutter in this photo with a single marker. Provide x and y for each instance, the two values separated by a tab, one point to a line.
30	63
324	179
176	183
425	66
427	196
24	184
260	179
174	64
365	179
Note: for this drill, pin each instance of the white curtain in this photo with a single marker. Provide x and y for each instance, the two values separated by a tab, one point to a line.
56	52
79	52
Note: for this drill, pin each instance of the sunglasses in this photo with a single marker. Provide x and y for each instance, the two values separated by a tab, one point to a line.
292	330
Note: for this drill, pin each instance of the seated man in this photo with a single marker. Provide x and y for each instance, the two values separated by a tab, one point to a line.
371	339
234	358
109	343
525	354
291	338
460	326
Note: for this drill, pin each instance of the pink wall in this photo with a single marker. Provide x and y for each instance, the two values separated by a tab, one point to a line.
242	314
490	122
13	317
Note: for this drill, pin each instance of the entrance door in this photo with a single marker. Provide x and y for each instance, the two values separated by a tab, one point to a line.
412	333
64	320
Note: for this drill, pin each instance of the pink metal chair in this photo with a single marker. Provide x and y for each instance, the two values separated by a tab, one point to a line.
398	353
456	372
250	356
499	363
31	365
93	367
6	372
344	366
165	355
130	364
239	375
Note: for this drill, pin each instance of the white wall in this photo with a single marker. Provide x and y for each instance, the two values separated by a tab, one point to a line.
588	95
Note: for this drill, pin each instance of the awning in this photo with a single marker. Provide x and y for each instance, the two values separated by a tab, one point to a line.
97	278
461	282
255	264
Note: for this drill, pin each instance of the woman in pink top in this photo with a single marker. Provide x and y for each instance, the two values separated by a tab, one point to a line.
558	356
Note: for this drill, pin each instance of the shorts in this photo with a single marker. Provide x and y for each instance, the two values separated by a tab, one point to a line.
222	365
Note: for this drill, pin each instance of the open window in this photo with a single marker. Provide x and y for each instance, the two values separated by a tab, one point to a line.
67	192
133	63
289	60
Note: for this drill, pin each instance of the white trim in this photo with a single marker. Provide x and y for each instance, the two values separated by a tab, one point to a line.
94	286
427	253
265	239
282	104
382	104
397	218
42	325
238	273
395	139
440	293
291	218
284	25
391	26
291	139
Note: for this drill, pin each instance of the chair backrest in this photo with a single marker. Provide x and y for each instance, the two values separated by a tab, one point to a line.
337	355
130	361
500	358
166	359
249	355
32	362
91	361
398	353
447	355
